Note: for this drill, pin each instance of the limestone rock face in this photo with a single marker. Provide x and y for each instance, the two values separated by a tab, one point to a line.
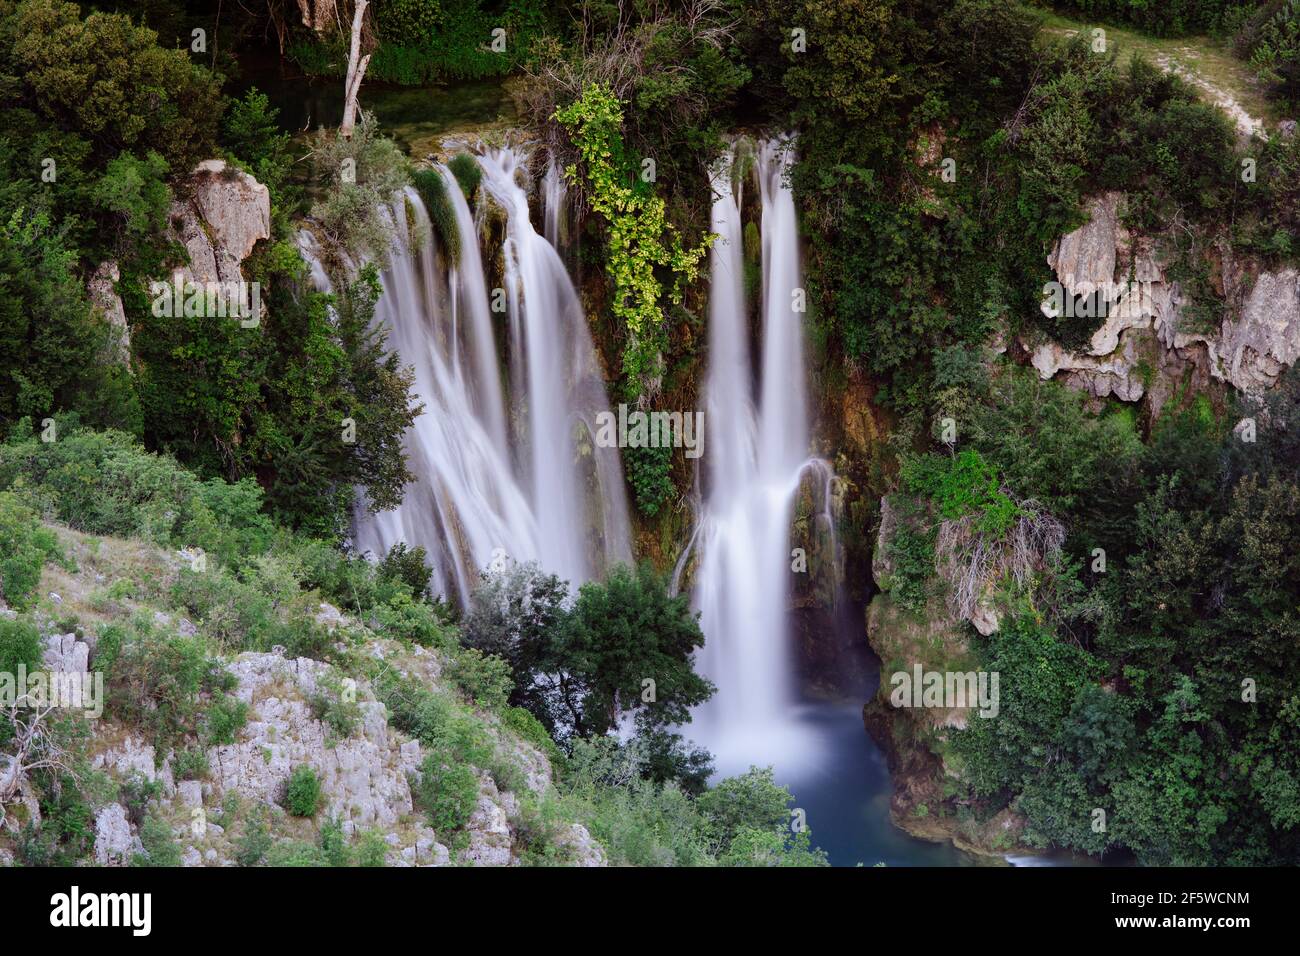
583	847
64	654
113	842
1255	349
1084	260
363	778
133	756
489	835
366	778
1142	345
882	563
226	215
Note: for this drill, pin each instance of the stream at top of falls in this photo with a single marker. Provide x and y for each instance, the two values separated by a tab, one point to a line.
506	465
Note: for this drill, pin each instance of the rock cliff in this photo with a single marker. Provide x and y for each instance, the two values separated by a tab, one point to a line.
1146	344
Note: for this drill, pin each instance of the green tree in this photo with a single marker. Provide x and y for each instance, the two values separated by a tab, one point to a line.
626	631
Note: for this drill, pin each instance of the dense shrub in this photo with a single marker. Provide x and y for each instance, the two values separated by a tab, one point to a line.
302	792
25	547
447	792
160	682
160	847
422	41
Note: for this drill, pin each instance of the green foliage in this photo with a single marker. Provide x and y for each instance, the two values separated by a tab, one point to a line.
331	705
302	793
1168	18
137	794
1113	696
467	172
223	720
529	728
962	485
648	473
407	565
109	81
135	191
161	682
363	173
910	551
191	764
644	822
447	792
442	217
752	801
67	829
25	547
640	238
256	842
517	615
409	21
252	135
579	669
271	402
624	630
482	678
427	41
105	483
51	342
1273	45
160	847
20	644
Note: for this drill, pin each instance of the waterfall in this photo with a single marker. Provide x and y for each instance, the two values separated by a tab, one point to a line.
758	440
531	485
559	392
553	206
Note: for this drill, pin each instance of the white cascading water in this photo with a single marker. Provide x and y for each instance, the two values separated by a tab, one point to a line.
758	452
464	503
560	388
561	502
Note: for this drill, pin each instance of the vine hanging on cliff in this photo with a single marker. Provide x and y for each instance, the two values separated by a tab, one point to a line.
640	238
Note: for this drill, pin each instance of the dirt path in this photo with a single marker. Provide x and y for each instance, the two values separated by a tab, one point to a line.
1206	64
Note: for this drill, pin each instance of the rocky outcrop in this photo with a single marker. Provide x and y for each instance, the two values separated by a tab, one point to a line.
1144	346
913	738
113	840
64	654
363	778
225	215
1254	349
102	289
133	757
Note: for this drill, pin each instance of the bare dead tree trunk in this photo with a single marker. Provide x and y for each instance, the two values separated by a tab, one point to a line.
356	70
37	746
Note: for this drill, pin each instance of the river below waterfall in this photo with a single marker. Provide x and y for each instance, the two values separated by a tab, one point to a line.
846	795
